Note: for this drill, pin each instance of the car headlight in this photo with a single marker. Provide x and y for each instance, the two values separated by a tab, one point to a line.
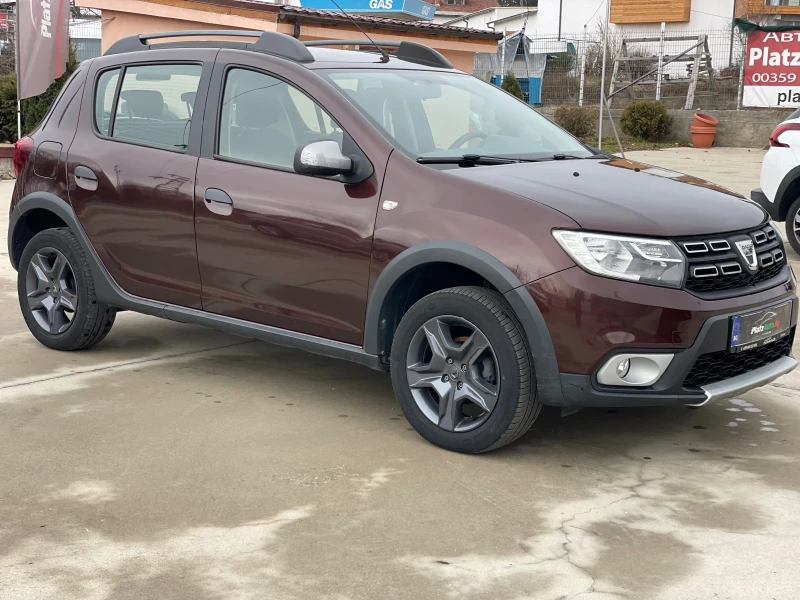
657	262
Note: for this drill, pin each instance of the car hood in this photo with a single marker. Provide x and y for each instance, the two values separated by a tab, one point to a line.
622	196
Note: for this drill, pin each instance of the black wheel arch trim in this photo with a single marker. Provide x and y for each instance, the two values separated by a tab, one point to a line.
110	293
548	382
772	208
782	201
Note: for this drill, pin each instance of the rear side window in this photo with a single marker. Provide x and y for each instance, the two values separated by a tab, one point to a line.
154	105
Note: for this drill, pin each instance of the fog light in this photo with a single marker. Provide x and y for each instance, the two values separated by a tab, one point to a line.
634	369
623	368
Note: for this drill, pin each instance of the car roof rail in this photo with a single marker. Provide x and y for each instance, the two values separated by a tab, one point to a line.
268	42
407	51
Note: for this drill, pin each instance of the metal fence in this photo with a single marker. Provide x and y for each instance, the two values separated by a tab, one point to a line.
84	36
7	42
640	64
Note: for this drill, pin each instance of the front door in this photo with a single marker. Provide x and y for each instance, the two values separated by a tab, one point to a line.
276	247
132	168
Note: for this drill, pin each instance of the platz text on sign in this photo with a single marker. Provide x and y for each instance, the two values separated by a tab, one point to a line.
772	69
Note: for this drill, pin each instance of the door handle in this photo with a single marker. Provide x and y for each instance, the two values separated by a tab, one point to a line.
215	195
218	202
85	178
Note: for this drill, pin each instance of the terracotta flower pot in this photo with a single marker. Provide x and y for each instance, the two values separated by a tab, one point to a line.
703	129
701	120
702	137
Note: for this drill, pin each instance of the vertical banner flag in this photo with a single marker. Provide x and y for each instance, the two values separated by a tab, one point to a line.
772	69
42	44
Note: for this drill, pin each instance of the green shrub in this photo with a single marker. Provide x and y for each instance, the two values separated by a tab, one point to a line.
511	85
646	120
33	109
580	121
8	108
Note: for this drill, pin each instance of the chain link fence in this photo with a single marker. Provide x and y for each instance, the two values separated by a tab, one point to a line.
84	36
640	64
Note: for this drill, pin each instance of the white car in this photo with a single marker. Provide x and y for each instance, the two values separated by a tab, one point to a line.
779	193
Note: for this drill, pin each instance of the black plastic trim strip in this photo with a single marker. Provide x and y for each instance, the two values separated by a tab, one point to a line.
110	293
783	201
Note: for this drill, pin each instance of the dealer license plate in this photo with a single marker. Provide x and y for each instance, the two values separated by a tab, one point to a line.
759	328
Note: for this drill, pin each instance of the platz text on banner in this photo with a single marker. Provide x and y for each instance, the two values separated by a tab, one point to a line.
43	44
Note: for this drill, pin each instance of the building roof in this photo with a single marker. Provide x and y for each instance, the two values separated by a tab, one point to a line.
288	13
312	15
511	17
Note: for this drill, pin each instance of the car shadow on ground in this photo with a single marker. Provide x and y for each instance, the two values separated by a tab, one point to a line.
723	429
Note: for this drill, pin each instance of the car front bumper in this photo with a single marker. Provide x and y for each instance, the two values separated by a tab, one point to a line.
592	319
711	345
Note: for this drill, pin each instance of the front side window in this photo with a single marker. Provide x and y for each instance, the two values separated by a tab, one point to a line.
154	106
434	114
265	120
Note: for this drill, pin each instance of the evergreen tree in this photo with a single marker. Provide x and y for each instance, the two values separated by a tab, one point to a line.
511	85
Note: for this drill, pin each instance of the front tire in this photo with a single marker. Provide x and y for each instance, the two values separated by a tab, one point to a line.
56	293
462	371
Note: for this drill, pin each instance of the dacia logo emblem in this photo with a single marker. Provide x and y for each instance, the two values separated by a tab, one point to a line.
748	252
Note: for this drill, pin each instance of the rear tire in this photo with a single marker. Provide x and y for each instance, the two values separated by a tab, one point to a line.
793	225
462	371
57	295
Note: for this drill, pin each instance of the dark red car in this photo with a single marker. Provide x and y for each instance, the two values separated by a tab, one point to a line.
395	212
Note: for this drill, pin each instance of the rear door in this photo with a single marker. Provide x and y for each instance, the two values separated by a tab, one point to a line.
289	250
132	168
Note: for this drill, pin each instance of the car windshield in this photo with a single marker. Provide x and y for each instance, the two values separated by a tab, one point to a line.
431	114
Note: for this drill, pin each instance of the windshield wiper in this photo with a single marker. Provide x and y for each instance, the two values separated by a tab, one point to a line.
466	160
561	156
469	160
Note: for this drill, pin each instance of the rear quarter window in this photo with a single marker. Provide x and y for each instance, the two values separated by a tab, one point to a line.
68	95
104	99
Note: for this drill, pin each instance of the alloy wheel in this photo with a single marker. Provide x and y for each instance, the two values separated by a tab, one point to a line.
51	290
453	373
796	225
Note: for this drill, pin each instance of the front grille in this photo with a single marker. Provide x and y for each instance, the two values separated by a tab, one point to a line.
716	267
729	282
717	366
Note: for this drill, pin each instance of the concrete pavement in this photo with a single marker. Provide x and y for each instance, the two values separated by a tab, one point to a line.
174	462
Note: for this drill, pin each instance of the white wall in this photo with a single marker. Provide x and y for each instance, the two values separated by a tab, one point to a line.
574	14
481	20
440	17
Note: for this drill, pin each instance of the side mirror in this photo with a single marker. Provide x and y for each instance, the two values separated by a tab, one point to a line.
322	158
